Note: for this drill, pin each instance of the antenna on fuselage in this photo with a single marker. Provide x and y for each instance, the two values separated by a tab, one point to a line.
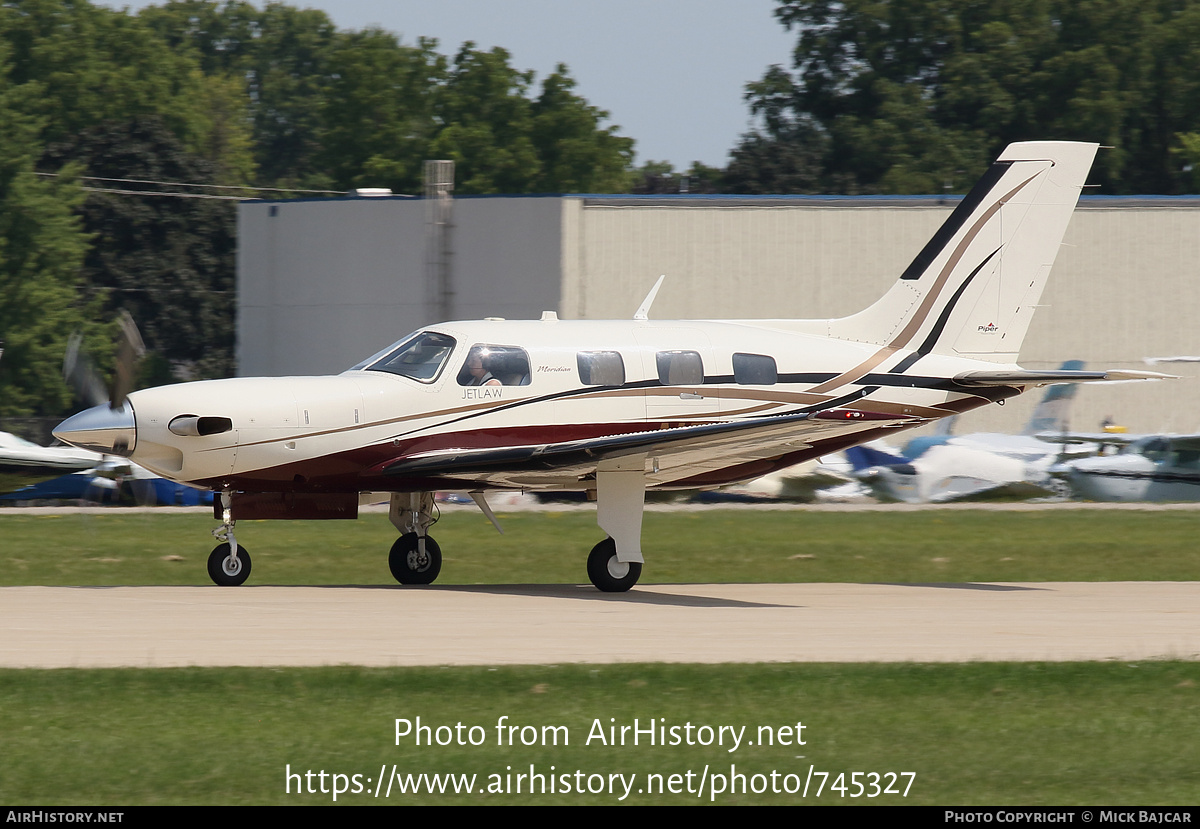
643	310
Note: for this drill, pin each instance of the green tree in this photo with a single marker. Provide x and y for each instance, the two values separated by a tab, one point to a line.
42	245
486	127
575	153
379	111
1187	154
94	65
278	60
918	95
167	259
655	177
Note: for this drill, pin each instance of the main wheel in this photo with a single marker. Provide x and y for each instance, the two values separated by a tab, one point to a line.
409	566
225	572
609	574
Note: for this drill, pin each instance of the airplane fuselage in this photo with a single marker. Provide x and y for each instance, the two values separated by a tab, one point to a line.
339	433
1134	477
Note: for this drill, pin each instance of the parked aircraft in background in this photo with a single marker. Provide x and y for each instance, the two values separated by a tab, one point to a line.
1145	467
804	483
944	467
615	408
23	463
111	482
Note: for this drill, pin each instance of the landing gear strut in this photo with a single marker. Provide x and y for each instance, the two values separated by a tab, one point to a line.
415	558
228	564
615	564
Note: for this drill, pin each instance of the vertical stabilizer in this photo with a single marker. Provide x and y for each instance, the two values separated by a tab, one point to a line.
1052	414
972	289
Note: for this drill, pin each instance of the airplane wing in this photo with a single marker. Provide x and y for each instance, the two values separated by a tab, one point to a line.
1164	442
1046	378
673	454
1109	438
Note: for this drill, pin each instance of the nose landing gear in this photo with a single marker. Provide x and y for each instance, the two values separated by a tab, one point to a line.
228	564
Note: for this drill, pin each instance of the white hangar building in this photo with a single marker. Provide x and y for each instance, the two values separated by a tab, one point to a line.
322	284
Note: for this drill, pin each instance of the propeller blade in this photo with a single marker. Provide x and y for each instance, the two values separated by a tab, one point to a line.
81	374
130	351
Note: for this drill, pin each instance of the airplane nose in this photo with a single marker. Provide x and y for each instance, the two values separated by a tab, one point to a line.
101	429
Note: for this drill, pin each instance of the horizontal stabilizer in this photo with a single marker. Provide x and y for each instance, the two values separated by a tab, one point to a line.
1046	378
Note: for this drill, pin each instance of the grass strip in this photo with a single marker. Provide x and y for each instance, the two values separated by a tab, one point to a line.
551	547
976	734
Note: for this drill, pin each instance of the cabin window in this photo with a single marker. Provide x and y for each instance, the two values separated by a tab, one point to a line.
600	368
755	370
1188	458
495	365
420	357
680	368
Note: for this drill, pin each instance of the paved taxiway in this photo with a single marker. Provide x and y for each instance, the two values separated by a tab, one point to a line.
53	627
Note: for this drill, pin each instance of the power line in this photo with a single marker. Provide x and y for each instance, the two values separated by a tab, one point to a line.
189	184
160	193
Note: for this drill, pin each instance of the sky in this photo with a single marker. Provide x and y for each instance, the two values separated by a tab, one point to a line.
670	73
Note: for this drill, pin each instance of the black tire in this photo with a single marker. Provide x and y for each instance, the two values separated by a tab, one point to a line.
601	563
406	564
219	570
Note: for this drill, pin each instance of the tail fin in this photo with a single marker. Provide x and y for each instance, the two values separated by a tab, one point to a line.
972	290
1051	414
863	458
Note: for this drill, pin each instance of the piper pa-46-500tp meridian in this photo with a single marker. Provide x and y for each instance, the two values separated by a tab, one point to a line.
617	407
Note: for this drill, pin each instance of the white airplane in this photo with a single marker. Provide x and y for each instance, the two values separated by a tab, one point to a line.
617	407
945	467
23	463
1145	467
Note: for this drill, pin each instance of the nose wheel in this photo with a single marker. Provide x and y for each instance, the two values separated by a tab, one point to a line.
607	572
228	563
227	570
410	564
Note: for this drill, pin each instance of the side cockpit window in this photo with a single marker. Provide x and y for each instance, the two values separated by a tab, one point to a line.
420	357
680	368
600	368
755	370
495	365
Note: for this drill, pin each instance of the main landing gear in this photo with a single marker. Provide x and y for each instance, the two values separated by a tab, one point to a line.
415	557
614	565
607	572
228	563
415	560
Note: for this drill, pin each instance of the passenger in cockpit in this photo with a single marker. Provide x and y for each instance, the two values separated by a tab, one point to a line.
479	369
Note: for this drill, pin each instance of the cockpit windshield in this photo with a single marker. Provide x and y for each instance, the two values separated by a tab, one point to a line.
420	357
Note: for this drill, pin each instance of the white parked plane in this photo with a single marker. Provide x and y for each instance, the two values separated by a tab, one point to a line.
1145	468
23	463
616	408
945	467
